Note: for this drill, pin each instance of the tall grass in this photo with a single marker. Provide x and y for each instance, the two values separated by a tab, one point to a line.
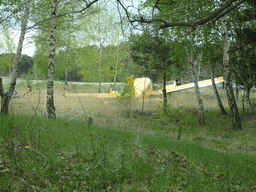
174	152
47	155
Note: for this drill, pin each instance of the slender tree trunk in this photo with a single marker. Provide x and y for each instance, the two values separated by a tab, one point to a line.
100	72
7	96
66	76
1	91
195	79
67	64
199	100
237	95
243	100
50	86
198	66
115	75
227	76
10	71
117	61
222	109
249	100
254	79
164	89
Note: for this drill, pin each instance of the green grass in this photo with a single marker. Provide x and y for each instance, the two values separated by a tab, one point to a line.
66	156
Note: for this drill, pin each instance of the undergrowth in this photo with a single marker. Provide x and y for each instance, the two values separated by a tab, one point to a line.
38	154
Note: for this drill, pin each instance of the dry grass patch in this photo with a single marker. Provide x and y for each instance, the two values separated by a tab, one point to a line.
183	118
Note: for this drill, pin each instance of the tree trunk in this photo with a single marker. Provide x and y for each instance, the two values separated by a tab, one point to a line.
100	72
237	95
117	61
227	76
1	91
8	95
195	80
115	75
164	90
199	100
67	64
50	86
249	100
222	109
66	76
254	79
243	100
10	71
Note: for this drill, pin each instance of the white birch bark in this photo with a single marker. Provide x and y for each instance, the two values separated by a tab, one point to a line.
8	95
195	79
227	76
100	71
50	86
222	109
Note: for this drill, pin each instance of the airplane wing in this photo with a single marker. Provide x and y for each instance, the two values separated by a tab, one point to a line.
172	88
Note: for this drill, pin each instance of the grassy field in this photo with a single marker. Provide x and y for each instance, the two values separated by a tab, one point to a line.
124	149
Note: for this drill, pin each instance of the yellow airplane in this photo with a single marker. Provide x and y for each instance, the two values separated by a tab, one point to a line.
144	87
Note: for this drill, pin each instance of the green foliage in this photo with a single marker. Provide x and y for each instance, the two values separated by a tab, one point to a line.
6	61
102	54
61	61
243	55
150	50
126	96
41	58
155	54
87	61
25	64
7	49
170	112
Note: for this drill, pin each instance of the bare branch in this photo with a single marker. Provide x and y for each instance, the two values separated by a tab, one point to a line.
127	13
215	15
206	19
228	10
61	15
120	15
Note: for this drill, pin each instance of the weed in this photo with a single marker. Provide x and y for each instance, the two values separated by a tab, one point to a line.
126	97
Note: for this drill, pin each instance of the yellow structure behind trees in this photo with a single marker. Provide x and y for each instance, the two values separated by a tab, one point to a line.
143	87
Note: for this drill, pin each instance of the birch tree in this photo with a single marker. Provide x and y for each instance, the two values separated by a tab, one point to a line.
228	75
50	87
194	73
58	9
213	59
8	95
222	109
7	48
